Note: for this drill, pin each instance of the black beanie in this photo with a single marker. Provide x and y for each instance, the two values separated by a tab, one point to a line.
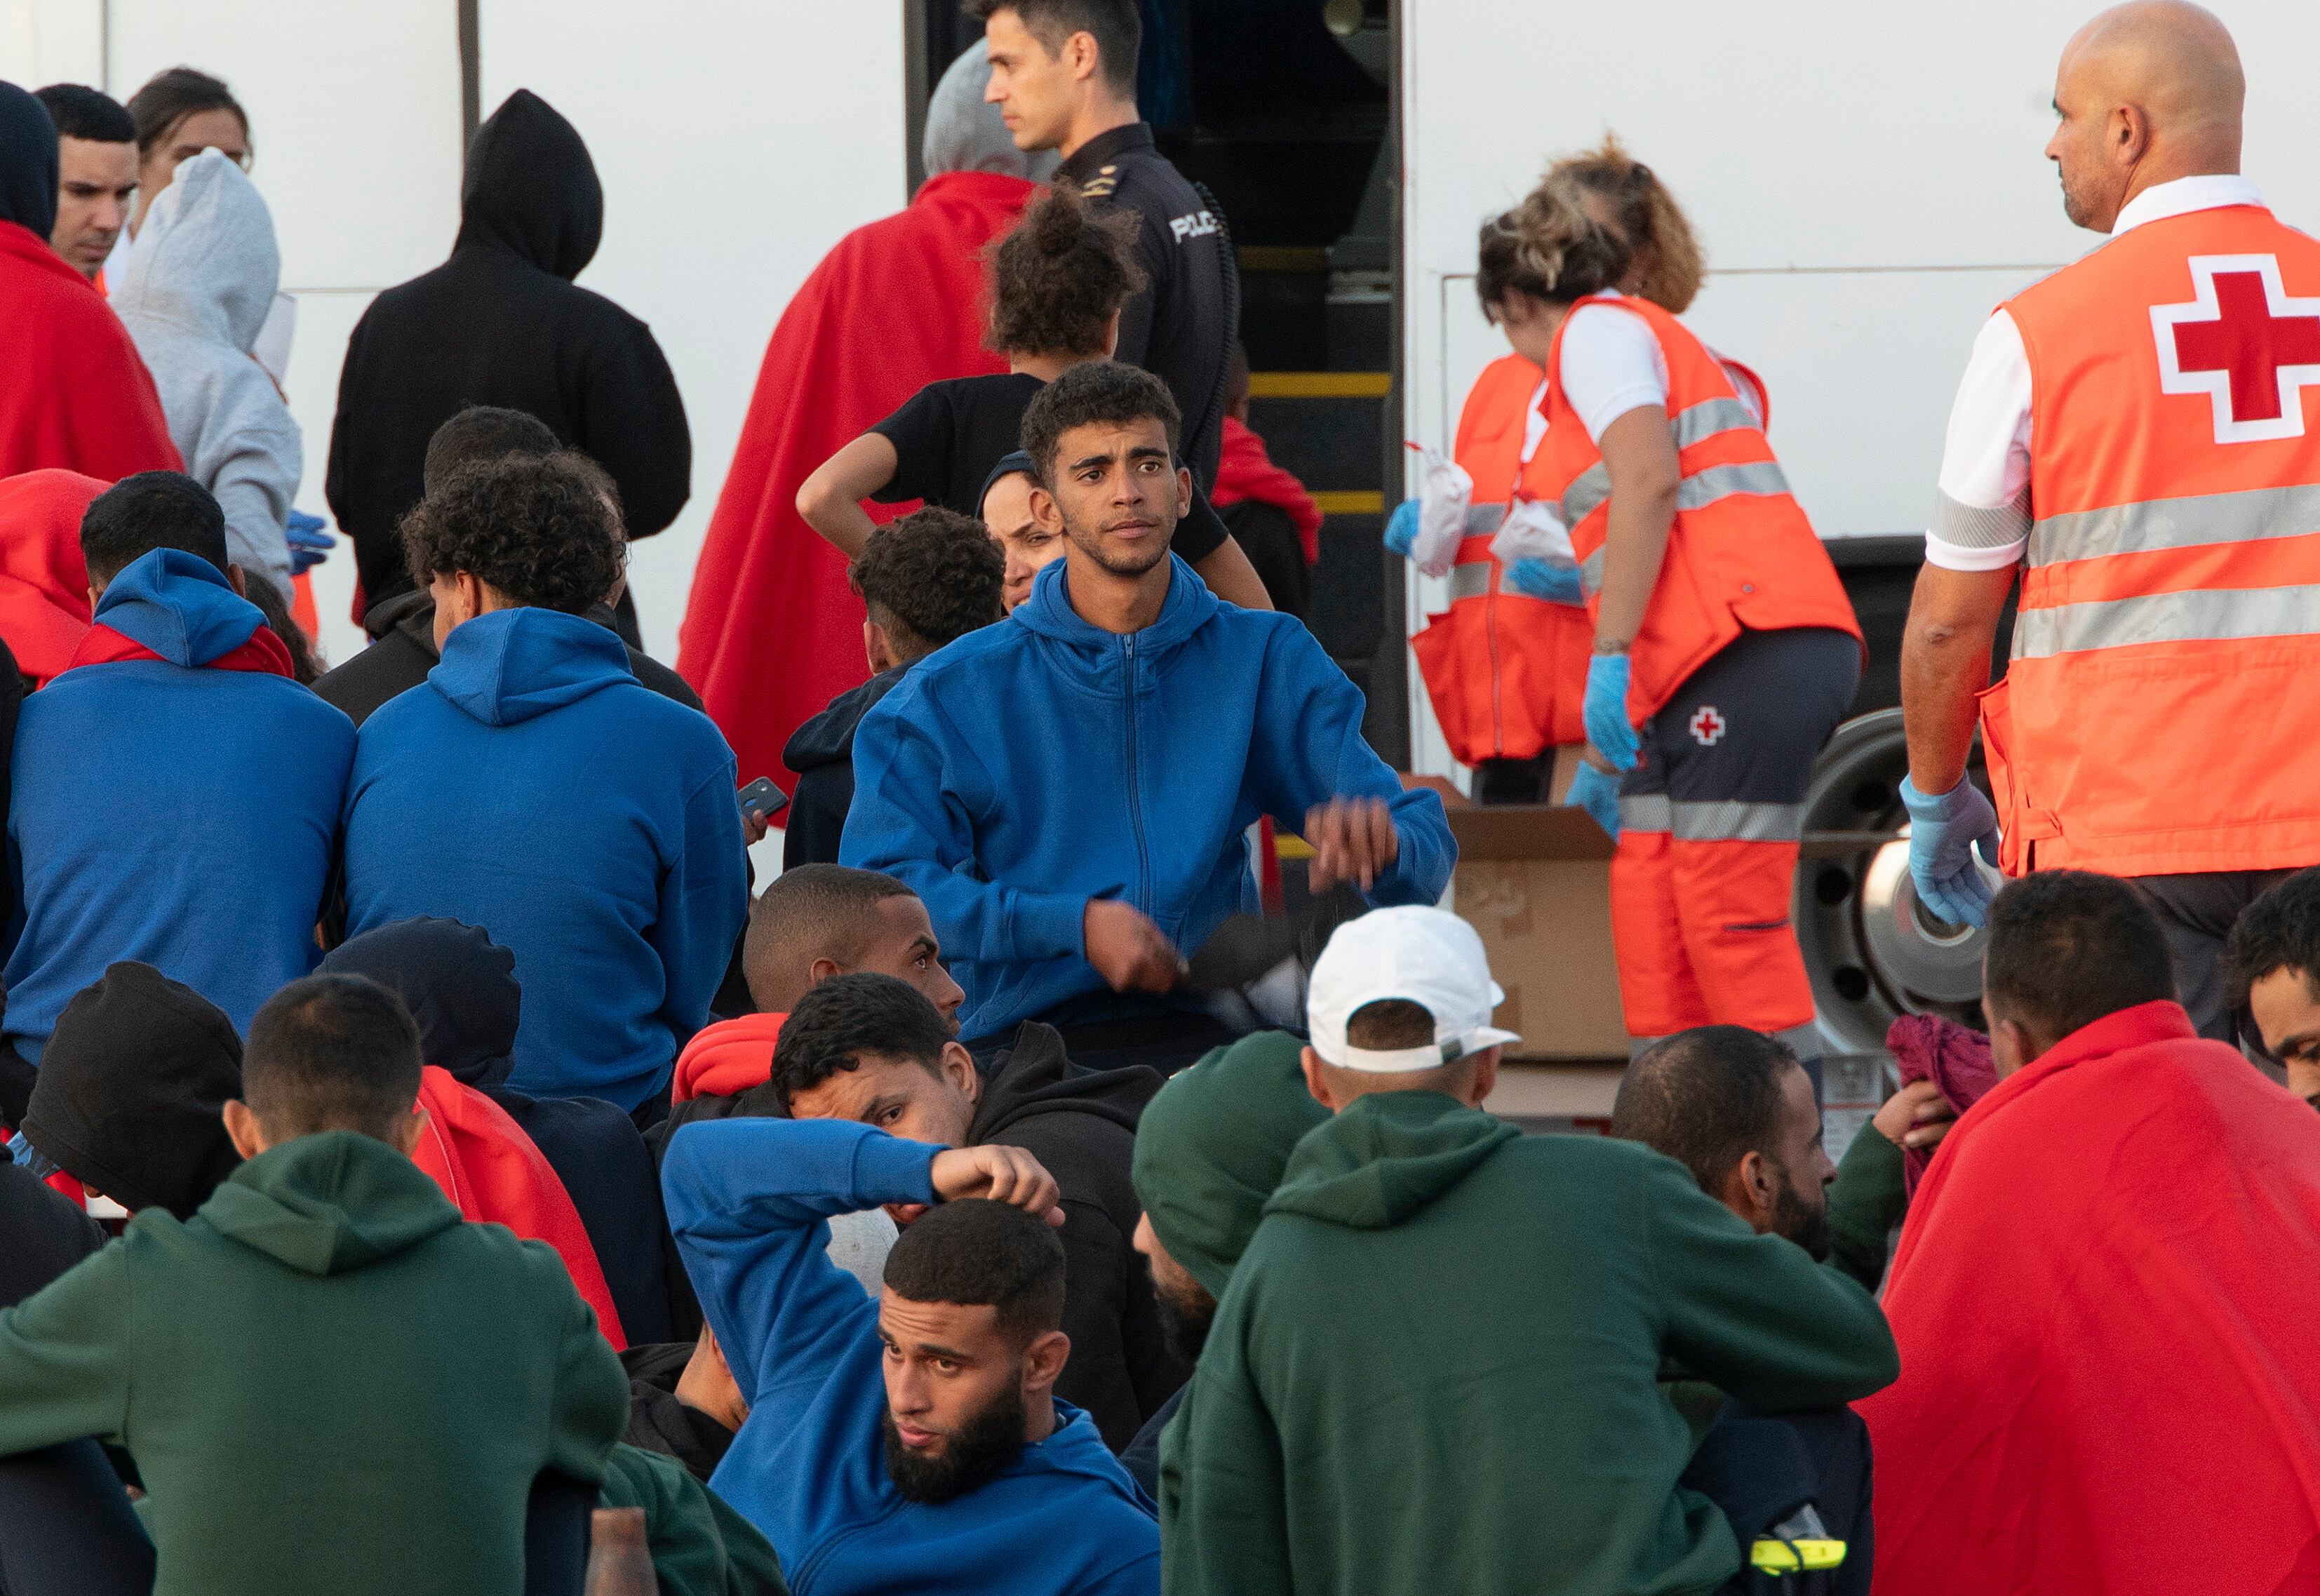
130	1089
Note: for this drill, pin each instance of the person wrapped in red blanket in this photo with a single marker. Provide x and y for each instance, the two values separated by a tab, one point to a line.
770	633
2105	1293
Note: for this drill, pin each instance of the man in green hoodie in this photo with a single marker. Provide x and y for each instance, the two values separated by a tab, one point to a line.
328	1380
1436	1365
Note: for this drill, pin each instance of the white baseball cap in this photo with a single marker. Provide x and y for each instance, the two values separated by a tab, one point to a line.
1426	957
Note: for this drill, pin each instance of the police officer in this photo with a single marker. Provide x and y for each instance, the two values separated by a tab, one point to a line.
1062	73
2138	436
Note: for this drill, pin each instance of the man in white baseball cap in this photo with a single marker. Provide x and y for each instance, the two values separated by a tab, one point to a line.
1401	1000
1436	1364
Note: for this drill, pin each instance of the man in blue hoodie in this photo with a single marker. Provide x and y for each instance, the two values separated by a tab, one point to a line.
1069	791
177	795
912	1442
537	790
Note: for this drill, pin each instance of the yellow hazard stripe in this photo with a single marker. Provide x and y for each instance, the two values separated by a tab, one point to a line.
1320	385
1356	501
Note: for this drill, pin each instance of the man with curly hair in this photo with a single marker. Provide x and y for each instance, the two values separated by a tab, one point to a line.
925	579
536	789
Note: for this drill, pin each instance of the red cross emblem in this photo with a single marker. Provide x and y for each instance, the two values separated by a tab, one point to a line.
2243	343
1706	727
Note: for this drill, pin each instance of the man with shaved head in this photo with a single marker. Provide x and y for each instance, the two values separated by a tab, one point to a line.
2138	436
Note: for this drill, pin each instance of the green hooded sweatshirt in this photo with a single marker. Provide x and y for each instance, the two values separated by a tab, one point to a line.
1438	1367
328	1380
699	1545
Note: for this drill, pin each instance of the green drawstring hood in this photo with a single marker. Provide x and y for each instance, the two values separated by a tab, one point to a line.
1386	1157
330	1204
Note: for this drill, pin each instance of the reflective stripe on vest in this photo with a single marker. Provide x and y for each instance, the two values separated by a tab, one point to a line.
1723	820
1693	424
1471	579
2213	615
2190	523
1698	491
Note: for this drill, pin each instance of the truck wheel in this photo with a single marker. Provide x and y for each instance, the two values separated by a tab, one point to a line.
1872	950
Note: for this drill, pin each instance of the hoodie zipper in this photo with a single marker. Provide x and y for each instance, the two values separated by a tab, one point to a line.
1135	787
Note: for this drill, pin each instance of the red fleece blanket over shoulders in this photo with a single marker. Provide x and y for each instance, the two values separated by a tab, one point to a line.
771	631
73	392
2105	1299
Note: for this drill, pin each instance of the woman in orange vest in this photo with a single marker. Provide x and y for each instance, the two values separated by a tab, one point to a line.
1505	664
1725	650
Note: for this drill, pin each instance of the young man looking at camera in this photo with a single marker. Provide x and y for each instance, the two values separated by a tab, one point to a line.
1068	790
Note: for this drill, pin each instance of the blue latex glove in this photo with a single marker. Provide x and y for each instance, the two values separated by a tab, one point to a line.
1535	578
310	545
1597	793
1944	832
1605	711
1401	527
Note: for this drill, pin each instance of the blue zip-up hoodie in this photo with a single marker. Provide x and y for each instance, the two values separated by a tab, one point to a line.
180	816
749	1202
1037	764
534	788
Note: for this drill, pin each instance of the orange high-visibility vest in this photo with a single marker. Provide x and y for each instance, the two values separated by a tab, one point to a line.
2158	714
1740	557
1505	671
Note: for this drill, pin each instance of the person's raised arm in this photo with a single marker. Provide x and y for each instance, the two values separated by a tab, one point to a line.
1753	1313
1230	575
1318	777
64	1357
830	499
750	1202
916	782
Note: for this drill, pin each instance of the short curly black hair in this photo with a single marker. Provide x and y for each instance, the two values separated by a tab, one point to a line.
1100	392
834	1024
1059	276
2280	930
930	577
536	528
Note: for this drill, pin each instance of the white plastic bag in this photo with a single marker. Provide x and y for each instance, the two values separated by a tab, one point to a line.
1443	494
1532	530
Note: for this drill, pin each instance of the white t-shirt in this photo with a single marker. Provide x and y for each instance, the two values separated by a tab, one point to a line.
1611	364
1982	511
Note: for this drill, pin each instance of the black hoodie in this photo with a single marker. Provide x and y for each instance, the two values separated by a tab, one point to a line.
1080	1124
460	986
821	752
28	163
500	323
130	1089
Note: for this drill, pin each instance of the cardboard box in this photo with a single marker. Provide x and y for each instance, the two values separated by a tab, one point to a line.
1534	880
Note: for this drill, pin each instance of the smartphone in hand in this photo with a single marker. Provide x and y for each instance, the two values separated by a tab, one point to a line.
761	801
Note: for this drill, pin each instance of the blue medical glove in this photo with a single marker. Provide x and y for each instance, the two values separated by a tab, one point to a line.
310	545
1605	711
1597	793
1401	527
1944	832
1535	578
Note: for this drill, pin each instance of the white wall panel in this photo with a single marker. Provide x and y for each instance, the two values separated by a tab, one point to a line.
738	140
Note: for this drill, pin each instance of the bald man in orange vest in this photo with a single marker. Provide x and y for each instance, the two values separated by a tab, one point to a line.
2138	436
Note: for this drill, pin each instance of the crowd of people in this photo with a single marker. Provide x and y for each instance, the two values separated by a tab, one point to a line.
433	1164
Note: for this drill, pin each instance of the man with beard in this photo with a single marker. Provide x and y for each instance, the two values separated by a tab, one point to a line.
870	1048
913	1441
1208	1152
1070	791
1735	1107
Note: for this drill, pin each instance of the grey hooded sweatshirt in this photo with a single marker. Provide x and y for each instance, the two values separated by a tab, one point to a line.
200	282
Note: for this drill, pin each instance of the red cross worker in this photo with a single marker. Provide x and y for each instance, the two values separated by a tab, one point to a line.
1724	649
2136	441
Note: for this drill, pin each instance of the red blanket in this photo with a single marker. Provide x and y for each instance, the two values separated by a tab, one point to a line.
73	392
43	581
771	631
1245	471
727	1059
2105	1299
491	1170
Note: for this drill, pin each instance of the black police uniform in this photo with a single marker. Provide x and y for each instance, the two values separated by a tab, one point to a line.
1180	326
